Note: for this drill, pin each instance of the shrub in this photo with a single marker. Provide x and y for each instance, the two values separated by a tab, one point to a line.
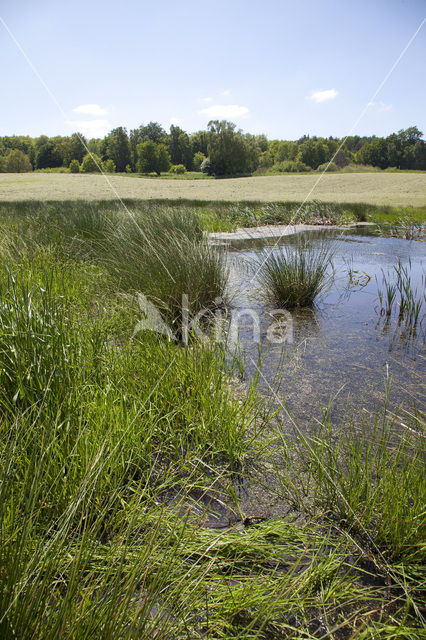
91	163
294	275
17	162
177	168
328	166
109	166
198	160
74	166
291	166
128	168
206	166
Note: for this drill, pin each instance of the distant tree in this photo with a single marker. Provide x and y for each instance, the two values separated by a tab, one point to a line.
341	159
47	154
94	145
74	166
147	157
153	131
152	157
200	142
91	163
419	155
109	166
117	148
206	166
283	150
229	153
180	147
78	146
313	153
266	160
17	162
198	160
374	153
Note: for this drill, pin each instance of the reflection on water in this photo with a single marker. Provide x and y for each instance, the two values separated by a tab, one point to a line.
342	348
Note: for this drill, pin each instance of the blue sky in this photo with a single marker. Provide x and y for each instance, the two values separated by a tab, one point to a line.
283	68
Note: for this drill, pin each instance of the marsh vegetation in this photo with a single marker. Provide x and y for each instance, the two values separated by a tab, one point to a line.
123	457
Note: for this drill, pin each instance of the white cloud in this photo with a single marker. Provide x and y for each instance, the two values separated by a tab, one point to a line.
175	121
90	110
224	111
91	128
225	92
380	106
323	95
205	100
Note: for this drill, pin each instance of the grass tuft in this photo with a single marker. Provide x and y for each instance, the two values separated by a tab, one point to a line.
294	275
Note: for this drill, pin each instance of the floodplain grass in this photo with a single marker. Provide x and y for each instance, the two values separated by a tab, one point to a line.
107	440
393	189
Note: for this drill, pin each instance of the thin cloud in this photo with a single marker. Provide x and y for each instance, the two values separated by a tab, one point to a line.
225	111
205	100
175	121
323	95
226	92
90	110
90	128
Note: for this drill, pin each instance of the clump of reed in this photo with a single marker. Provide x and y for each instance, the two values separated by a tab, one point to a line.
166	257
294	275
400	297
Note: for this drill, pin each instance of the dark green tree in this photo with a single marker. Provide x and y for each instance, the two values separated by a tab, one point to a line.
117	148
47	155
229	153
78	146
180	148
152	157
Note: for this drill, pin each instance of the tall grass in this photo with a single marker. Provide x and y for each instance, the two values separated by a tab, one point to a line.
166	257
294	275
400	297
113	451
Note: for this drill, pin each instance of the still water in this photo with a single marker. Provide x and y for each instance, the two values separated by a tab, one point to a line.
341	351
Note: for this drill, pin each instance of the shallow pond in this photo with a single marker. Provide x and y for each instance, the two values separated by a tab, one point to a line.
342	349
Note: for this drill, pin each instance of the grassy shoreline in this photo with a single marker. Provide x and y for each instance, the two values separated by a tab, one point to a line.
116	446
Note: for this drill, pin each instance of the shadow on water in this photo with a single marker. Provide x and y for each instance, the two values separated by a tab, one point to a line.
342	348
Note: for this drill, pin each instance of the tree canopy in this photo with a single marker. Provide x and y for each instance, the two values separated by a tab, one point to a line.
220	150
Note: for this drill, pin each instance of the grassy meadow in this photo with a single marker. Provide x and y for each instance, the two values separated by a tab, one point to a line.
118	445
394	189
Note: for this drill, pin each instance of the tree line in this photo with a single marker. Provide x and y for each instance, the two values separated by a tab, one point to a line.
220	150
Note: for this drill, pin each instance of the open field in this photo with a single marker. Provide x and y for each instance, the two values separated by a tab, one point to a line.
380	189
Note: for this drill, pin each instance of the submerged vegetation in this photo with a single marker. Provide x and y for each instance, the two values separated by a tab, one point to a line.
122	454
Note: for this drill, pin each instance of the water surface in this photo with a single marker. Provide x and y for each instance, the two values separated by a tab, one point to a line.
342	350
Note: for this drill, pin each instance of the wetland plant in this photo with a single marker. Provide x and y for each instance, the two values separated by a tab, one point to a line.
398	295
166	257
294	275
